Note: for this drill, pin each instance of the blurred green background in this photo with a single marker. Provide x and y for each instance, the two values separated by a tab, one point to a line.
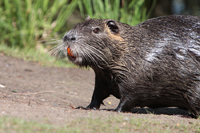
29	28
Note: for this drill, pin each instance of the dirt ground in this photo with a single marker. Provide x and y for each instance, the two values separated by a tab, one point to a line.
33	92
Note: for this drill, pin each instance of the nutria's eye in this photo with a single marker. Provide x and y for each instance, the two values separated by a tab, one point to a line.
96	30
113	27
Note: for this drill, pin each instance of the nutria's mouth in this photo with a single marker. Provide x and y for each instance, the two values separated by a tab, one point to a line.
72	58
70	54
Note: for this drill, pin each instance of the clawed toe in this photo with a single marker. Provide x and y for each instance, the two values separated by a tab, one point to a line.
85	108
80	107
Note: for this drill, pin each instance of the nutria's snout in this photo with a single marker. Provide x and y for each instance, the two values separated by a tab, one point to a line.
70	51
68	37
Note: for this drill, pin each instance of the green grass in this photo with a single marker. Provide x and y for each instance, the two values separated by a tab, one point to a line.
124	124
24	22
26	25
118	124
8	125
39	56
130	12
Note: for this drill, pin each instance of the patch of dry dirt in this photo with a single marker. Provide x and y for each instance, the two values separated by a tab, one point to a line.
33	92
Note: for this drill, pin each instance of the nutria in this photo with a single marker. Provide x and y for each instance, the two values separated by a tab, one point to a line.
155	63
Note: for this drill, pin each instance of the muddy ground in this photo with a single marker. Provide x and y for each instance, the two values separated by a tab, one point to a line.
33	92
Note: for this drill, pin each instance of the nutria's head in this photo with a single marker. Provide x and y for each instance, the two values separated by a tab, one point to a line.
94	42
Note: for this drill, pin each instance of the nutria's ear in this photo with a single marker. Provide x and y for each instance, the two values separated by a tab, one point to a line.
112	25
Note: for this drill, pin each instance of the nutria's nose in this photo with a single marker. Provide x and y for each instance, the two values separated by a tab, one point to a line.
69	38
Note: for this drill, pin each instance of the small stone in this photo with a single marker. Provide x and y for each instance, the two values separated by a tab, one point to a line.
126	119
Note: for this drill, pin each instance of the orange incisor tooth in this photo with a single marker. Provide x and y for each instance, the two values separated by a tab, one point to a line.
69	52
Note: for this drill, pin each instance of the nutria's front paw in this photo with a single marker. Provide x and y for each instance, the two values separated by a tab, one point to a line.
86	108
80	107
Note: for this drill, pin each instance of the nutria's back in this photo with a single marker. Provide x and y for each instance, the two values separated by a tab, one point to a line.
154	64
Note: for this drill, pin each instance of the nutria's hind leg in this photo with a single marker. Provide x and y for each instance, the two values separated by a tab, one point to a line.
192	105
194	113
125	105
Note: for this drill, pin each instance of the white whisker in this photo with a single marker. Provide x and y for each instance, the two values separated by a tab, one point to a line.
56	47
92	50
56	50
